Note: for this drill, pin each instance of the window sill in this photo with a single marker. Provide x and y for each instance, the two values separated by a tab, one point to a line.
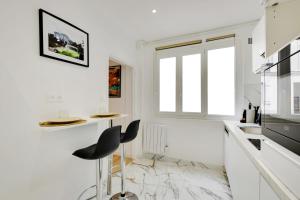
197	116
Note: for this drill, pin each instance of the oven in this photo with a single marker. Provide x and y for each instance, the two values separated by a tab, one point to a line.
281	98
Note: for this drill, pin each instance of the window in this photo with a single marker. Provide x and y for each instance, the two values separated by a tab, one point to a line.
191	83
221	89
167	86
197	80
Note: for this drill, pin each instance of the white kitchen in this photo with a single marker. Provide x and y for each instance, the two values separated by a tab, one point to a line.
150	100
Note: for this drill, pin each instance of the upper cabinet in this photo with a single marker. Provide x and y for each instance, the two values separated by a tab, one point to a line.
259	45
282	25
279	26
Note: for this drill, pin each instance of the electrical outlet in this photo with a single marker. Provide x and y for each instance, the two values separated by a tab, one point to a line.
59	99
52	98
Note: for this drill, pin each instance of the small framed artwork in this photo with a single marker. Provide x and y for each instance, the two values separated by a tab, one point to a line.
62	40
115	74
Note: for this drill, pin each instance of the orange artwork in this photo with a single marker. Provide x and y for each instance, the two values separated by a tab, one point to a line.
115	81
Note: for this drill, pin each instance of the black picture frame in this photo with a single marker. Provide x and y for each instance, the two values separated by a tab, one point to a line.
78	54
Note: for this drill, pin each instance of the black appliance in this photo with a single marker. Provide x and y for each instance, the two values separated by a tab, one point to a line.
281	97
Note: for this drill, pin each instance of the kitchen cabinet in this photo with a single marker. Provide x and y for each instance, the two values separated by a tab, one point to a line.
282	25
226	141
266	192
259	45
276	29
242	174
269	174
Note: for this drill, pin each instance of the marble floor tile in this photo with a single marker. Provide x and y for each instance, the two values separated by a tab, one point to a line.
169	179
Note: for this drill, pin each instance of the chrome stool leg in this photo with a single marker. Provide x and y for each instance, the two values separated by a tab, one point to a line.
123	195
110	165
99	169
110	158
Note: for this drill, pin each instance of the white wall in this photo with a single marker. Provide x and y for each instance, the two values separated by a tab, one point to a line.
36	164
196	139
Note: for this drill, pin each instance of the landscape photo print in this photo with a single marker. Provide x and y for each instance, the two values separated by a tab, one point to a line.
63	41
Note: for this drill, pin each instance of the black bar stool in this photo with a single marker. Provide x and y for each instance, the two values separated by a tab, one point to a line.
108	142
129	135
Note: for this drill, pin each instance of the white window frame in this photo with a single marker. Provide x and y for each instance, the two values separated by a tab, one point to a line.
219	44
188	50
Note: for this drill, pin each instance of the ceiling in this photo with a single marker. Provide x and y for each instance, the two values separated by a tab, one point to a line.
177	17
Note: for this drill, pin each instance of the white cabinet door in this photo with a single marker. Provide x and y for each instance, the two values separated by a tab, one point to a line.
282	25
259	45
266	192
228	160
276	29
242	174
226	141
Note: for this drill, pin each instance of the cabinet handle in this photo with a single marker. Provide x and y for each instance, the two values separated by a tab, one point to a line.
227	132
263	54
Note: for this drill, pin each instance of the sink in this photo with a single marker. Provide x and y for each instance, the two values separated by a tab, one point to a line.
251	129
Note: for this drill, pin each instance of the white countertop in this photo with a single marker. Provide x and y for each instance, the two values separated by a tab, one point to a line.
89	121
258	160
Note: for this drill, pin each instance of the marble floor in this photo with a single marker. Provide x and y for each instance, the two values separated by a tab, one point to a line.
168	179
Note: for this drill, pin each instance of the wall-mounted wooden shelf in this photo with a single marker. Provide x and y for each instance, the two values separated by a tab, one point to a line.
88	121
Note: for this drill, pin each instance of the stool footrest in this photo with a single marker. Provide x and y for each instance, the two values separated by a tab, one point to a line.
128	196
84	191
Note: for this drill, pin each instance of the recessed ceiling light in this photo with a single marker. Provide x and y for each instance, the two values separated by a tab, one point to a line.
154	11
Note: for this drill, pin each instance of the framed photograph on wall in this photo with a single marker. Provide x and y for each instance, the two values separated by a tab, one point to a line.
62	40
115	74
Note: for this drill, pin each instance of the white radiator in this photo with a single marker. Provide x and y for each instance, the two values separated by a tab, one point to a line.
155	138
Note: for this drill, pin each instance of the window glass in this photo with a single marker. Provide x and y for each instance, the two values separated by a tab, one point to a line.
191	83
221	78
167	86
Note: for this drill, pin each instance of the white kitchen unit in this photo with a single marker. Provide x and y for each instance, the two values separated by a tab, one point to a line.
249	172
281	26
266	192
242	174
226	149
259	45
268	3
274	31
284	165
